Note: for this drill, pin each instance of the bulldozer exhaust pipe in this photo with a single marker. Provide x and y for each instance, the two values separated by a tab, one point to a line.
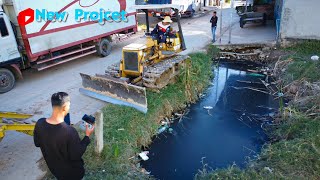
183	44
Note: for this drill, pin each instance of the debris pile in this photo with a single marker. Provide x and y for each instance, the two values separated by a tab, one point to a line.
281	66
249	53
301	88
303	95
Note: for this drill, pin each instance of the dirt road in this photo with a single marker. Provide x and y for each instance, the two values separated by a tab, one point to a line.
18	156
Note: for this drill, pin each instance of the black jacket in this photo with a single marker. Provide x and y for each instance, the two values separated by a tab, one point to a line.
62	149
161	31
214	21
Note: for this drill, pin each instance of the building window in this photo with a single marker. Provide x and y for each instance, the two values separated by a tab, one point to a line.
3	28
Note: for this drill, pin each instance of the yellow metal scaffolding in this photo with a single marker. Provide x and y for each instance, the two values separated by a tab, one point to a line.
24	128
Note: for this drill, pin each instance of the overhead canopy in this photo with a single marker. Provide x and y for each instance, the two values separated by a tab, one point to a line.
157	6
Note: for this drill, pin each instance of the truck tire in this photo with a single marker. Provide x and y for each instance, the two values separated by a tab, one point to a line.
104	48
191	13
7	80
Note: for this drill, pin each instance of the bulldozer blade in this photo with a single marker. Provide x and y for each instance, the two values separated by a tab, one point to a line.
114	91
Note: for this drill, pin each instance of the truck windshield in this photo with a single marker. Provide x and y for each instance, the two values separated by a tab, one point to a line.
3	28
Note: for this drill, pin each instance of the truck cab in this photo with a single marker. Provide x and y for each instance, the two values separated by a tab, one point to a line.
9	54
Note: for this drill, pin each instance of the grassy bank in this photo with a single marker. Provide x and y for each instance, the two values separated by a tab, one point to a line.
301	65
294	152
127	130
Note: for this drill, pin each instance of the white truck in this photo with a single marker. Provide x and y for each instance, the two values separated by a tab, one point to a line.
43	34
187	8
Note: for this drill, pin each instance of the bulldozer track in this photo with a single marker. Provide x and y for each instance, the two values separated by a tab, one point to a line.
158	75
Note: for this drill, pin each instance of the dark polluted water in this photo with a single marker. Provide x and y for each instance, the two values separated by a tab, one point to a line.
223	128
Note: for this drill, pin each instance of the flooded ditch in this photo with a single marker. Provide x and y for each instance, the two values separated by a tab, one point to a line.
223	128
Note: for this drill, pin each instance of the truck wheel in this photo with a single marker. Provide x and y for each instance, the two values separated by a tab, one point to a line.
192	13
104	48
7	80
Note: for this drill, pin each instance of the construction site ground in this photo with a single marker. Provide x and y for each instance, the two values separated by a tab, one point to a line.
19	158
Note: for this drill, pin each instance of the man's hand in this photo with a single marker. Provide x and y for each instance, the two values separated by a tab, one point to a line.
88	130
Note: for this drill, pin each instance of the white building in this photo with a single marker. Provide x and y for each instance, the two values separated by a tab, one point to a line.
298	19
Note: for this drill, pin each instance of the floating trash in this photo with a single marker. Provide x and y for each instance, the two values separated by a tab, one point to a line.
144	155
172	131
268	169
162	129
163	123
207	107
256	75
315	58
280	94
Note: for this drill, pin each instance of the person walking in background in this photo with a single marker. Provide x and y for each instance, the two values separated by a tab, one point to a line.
214	20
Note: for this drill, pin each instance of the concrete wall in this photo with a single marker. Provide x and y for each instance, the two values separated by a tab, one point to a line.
300	19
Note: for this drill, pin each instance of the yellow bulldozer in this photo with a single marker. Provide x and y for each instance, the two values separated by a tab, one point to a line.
145	64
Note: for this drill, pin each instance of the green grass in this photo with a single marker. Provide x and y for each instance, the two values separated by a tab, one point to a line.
127	130
303	69
302	66
294	152
310	47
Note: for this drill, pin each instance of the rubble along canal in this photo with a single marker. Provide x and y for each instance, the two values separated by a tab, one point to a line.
222	128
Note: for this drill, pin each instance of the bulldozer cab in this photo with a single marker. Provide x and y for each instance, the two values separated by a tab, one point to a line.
170	39
149	50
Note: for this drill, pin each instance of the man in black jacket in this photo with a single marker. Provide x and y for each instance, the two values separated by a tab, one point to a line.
214	20
60	144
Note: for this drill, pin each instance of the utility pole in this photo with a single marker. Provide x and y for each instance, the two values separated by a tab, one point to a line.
230	25
221	2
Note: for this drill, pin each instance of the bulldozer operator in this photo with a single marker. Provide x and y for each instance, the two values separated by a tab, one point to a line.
163	30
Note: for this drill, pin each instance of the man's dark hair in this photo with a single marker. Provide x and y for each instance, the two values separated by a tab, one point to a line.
215	12
59	98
